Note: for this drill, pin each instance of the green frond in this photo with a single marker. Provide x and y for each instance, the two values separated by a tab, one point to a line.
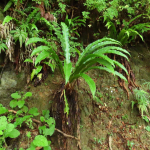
39	49
8	5
65	42
120	65
121	34
67	71
111	41
97	44
136	18
120	76
113	32
44	54
91	57
83	67
47	23
109	51
7	19
35	40
89	81
32	14
100	45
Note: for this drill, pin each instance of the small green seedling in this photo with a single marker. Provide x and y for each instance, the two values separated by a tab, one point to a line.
130	144
147	128
124	117
7	130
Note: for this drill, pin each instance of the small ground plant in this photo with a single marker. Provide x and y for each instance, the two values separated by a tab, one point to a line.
12	120
142	101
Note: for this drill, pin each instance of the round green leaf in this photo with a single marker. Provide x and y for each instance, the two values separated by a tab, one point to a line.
15	95
14	133
3	122
34	111
25	109
3	110
21	103
13	103
28	94
40	140
42	119
9	128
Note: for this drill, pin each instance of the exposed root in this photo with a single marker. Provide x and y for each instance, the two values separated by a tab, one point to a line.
130	77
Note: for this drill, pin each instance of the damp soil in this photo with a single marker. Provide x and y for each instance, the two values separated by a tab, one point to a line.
107	122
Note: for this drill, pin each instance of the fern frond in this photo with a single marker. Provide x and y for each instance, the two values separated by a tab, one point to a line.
120	65
91	47
32	14
44	54
7	19
136	18
120	76
107	50
8	5
90	82
35	40
65	42
85	66
99	46
39	49
121	34
113	32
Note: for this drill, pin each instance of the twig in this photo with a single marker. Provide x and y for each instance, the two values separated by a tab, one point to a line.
39	122
110	142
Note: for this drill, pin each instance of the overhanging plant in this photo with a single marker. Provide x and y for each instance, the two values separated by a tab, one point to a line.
127	33
94	53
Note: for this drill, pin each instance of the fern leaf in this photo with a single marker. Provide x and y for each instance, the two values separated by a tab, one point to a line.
35	40
113	52
100	45
8	5
90	56
32	14
89	81
121	66
65	42
7	19
136	18
84	67
121	34
39	49
120	76
67	71
101	68
91	46
41	56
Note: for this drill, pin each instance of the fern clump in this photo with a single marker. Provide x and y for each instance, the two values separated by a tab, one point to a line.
127	34
142	101
94	53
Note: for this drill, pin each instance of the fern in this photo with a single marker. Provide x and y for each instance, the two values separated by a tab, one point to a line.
32	14
93	53
2	46
127	34
8	5
19	35
142	101
7	19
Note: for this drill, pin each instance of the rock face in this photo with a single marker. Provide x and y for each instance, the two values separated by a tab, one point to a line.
10	83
